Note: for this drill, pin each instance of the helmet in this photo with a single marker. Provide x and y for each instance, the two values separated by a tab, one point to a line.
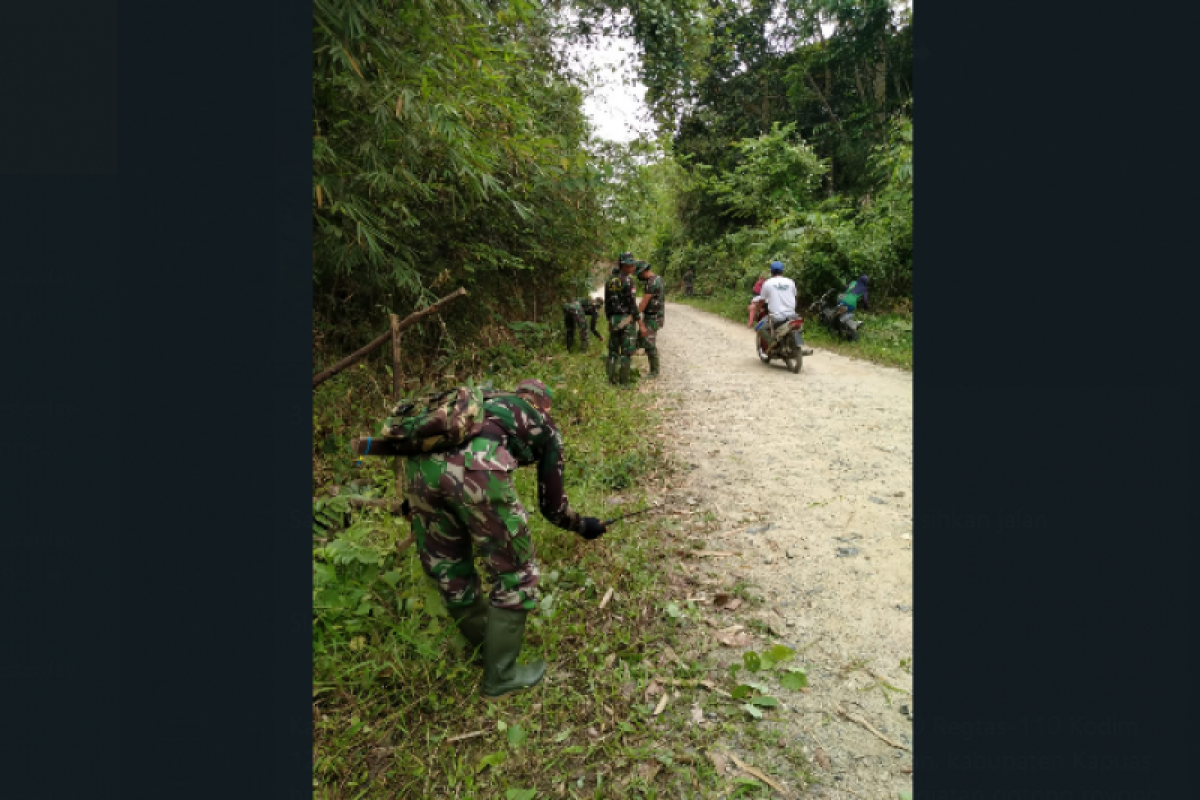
776	266
625	258
864	278
642	266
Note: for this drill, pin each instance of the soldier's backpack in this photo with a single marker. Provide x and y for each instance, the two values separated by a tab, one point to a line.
432	423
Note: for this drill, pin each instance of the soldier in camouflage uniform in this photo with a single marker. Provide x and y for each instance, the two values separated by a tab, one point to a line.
464	504
574	314
653	308
689	278
624	321
573	320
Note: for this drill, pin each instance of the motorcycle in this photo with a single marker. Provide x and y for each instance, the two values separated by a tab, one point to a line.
778	340
836	317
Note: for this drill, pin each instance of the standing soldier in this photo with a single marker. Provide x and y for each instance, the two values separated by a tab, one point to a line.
573	320
620	305
653	308
464	504
688	278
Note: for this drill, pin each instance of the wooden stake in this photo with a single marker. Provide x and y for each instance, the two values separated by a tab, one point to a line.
397	462
395	357
363	352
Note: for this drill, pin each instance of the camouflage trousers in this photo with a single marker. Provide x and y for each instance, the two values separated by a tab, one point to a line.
622	340
461	512
574	320
650	341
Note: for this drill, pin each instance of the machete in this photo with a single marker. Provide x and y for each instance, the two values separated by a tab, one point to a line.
608	522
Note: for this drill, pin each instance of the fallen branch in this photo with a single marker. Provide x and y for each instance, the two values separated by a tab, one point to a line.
756	773
462	736
607	596
363	352
870	727
692	682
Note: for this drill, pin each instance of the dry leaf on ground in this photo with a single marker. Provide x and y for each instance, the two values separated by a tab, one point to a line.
648	769
736	640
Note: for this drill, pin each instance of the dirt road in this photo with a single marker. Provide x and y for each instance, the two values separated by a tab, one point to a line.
810	478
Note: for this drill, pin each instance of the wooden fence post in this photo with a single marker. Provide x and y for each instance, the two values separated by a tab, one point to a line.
363	352
397	465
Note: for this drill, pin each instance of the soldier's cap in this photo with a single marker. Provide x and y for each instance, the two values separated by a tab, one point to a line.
643	266
535	388
625	258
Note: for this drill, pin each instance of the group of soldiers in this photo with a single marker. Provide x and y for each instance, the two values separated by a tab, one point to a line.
633	324
463	503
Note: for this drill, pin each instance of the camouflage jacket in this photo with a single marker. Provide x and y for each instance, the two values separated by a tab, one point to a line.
620	297
657	306
531	437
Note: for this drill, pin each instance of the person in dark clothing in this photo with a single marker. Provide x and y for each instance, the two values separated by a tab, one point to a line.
856	292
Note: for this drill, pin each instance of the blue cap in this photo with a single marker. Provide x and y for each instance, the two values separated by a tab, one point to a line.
776	266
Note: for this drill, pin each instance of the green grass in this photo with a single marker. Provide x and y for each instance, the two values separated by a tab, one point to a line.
886	338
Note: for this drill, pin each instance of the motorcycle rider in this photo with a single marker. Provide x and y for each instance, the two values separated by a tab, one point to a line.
779	293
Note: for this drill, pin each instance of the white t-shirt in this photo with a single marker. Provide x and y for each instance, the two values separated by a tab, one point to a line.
780	294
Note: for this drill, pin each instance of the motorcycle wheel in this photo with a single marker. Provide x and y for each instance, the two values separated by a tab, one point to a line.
794	361
762	356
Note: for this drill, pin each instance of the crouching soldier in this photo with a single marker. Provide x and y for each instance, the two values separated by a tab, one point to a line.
573	322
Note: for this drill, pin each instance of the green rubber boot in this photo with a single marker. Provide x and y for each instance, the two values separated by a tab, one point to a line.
623	377
653	358
472	624
502	675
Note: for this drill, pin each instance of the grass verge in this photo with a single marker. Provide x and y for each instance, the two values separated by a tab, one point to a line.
886	338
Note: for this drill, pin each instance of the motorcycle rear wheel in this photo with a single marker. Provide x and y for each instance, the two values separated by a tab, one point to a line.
794	361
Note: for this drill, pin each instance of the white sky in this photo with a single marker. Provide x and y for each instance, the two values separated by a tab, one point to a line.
614	101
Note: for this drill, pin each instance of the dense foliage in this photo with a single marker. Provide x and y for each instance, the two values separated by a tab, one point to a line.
448	149
795	143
